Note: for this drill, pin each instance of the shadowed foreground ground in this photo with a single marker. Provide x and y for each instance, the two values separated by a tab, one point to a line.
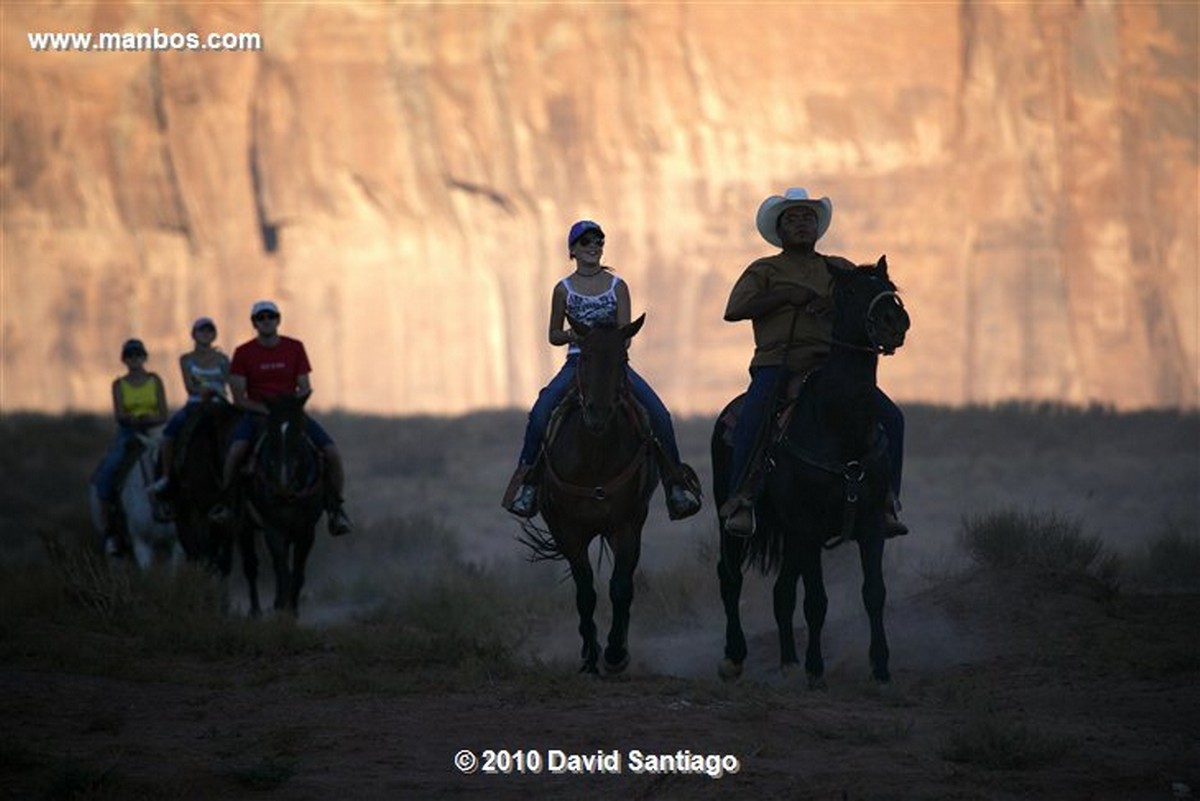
425	634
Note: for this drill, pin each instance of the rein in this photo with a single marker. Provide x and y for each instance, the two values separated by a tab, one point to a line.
602	492
851	472
280	489
874	347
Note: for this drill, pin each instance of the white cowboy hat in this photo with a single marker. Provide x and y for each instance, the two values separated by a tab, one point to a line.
775	205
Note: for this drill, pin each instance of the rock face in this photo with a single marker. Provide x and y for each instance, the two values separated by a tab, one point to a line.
401	180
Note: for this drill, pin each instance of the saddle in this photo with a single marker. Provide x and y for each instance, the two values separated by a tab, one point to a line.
636	414
781	412
772	433
135	448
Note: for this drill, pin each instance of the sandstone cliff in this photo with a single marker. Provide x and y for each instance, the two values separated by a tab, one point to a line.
401	179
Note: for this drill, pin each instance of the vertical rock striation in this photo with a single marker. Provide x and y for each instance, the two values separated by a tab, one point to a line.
401	178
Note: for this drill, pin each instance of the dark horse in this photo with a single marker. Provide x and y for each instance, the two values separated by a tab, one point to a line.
597	480
829	481
197	476
284	499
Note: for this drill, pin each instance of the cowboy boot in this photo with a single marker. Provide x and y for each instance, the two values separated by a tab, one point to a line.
892	525
520	498
737	516
683	492
338	521
110	544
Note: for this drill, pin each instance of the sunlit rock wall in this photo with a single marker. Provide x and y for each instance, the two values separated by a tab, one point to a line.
401	180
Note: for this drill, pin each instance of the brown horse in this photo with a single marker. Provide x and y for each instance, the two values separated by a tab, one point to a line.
284	499
597	480
196	474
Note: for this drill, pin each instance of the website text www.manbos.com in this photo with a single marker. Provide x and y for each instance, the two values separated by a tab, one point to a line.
133	42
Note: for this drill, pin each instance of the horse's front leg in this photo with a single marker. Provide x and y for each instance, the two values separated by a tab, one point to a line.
729	574
874	594
245	536
278	545
585	603
627	547
785	606
301	547
816	604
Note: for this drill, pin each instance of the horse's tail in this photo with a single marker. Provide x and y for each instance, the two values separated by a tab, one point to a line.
765	548
540	542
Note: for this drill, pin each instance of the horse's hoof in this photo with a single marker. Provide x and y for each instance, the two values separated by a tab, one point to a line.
612	669
589	669
816	682
729	670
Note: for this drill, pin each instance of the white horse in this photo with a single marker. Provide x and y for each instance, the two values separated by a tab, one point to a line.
152	539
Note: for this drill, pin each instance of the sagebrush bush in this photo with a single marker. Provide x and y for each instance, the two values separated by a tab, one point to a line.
1172	558
993	742
1048	540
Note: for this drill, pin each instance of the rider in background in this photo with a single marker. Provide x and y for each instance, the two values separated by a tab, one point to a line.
789	299
139	404
267	367
205	371
594	294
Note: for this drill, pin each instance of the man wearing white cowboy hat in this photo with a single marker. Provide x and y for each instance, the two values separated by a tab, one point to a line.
788	297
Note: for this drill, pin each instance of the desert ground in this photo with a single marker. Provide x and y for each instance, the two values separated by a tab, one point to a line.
1041	614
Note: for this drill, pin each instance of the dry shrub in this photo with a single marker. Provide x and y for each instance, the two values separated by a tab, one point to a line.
90	579
994	742
1172	558
1044	540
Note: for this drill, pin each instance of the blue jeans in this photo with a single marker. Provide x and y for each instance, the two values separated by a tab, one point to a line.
171	429
105	477
751	419
251	424
560	385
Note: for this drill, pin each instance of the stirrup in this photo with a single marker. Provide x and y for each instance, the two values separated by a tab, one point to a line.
893	526
338	522
740	521
682	502
525	503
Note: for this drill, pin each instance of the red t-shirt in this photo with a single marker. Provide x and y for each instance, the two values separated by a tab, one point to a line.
270	372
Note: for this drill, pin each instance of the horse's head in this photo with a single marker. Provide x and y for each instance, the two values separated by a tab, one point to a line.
868	314
287	457
601	375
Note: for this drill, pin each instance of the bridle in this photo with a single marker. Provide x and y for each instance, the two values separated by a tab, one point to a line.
581	389
872	326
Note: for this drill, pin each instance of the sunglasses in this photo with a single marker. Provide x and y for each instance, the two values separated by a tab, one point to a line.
261	316
587	241
134	354
212	328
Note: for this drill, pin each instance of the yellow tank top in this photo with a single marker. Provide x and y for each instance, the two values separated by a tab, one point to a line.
141	400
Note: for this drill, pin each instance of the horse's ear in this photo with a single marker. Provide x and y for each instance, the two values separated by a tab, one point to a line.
581	329
303	399
631	330
881	265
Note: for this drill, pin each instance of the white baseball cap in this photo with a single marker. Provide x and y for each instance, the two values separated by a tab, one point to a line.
264	306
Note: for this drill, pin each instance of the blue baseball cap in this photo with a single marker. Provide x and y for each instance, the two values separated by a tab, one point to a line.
579	229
